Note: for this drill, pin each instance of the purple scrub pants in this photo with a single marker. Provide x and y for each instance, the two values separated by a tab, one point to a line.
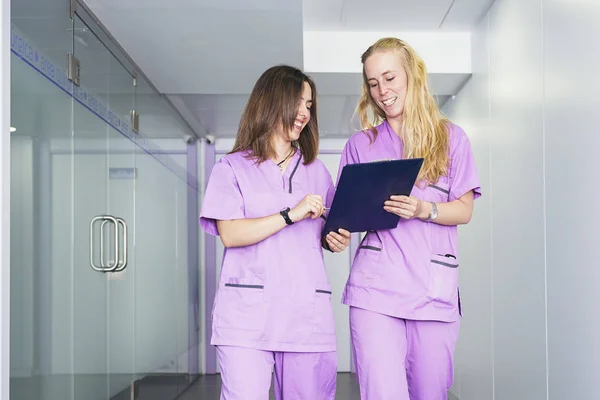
246	374
402	359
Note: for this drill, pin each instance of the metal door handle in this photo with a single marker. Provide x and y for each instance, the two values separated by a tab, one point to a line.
110	266
103	266
122	264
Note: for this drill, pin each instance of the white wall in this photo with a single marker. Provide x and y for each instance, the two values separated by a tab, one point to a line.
528	282
571	63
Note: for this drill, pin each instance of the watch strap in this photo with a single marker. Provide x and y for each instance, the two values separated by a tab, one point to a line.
285	214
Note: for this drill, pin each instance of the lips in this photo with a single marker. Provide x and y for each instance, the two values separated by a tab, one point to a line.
389	102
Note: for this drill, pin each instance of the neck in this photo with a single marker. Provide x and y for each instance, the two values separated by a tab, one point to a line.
396	125
281	147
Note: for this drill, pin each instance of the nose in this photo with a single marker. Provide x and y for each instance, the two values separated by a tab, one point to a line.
304	111
382	89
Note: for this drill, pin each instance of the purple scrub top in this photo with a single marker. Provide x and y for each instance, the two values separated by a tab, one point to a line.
273	295
411	271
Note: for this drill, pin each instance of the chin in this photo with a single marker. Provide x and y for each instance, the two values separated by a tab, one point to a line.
294	136
394	114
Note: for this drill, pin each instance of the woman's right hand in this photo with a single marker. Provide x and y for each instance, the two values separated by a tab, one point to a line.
310	206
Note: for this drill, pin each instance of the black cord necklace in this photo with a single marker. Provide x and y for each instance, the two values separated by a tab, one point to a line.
279	164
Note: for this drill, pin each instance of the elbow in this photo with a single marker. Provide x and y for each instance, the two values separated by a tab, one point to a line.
228	241
467	217
226	238
226	234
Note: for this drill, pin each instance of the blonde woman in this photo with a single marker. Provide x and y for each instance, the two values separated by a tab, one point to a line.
403	286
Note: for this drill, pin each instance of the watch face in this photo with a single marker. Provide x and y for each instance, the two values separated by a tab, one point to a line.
434	211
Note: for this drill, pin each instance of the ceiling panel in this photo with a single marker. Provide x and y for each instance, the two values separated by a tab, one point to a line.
208	50
394	15
466	14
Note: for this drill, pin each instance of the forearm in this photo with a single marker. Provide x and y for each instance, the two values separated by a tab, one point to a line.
457	212
246	232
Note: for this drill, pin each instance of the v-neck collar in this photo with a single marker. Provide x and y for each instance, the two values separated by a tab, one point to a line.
290	171
291	165
394	138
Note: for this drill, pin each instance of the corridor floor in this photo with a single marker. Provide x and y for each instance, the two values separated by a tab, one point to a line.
208	387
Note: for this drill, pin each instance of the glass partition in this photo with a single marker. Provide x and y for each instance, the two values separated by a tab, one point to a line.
102	299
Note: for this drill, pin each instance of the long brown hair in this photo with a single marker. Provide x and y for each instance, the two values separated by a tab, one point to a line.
424	128
273	103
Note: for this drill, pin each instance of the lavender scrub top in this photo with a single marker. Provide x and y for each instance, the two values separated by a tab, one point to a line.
411	271
273	295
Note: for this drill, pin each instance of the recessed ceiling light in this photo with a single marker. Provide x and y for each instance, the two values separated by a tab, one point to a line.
12	129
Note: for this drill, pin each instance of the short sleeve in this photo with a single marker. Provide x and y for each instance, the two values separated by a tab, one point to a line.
349	156
222	199
463	172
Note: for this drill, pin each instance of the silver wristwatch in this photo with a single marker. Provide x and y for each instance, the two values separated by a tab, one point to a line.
434	212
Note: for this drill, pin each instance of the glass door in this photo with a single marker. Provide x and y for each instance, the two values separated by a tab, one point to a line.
93	231
103	192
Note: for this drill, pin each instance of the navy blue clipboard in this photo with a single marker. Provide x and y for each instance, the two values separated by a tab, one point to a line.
362	191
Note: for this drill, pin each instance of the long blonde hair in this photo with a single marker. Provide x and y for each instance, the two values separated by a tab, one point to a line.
424	128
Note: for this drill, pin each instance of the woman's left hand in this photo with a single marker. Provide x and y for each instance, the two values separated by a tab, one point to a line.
407	207
338	241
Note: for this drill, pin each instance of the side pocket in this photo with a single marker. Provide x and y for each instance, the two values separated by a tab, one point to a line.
443	279
324	319
367	254
240	305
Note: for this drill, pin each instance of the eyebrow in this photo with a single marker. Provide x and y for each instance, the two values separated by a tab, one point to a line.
385	73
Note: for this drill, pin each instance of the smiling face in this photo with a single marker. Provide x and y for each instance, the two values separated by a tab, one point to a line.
387	81
303	114
282	107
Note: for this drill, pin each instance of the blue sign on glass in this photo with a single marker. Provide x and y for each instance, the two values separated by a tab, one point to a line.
122	173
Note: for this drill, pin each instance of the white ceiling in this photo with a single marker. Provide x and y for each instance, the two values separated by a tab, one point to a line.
207	54
390	15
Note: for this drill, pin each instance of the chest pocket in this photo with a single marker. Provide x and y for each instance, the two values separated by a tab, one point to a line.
438	192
